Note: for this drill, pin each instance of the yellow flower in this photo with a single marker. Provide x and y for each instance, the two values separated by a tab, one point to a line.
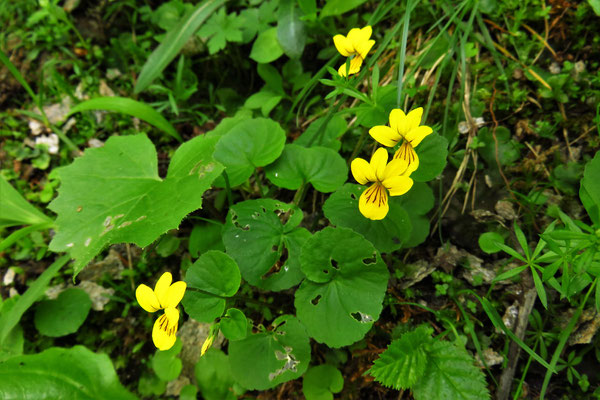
356	44
403	127
392	177
165	296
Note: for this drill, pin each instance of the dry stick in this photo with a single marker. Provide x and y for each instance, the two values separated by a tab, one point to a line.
565	133
505	384
130	265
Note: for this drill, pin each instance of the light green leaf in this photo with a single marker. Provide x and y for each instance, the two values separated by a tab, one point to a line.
595	4
403	363
217	276
338	7
234	325
433	153
130	107
15	210
338	264
290	29
328	137
173	42
250	144
265	99
450	374
487	242
57	373
589	191
320	382
166	365
264	360
387	235
113	194
266	47
213	374
324	168
64	315
8	320
257	233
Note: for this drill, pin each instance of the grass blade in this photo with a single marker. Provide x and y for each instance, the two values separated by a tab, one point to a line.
131	107
15	72
173	42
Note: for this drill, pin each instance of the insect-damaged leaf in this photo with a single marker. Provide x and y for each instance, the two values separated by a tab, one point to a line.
113	194
343	291
263	237
266	359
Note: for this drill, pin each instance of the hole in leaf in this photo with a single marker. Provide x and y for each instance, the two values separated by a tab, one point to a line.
353	196
325	271
315	301
396	240
362	318
283	215
279	264
370	260
334	263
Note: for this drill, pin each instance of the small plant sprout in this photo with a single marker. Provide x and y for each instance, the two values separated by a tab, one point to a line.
406	127
165	296
357	44
392	177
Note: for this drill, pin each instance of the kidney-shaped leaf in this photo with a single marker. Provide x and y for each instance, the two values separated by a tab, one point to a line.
57	373
215	275
266	359
113	194
63	315
387	235
343	293
257	234
324	168
250	144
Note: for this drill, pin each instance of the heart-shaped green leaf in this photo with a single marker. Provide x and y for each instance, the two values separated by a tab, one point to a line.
249	144
258	234
216	276
320	382
387	235
417	202
324	168
113	194
339	264
266	359
266	47
327	137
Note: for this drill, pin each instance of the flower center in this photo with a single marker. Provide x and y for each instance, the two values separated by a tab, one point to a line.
167	326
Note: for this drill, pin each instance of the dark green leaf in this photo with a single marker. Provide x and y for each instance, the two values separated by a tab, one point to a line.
432	152
290	29
64	315
234	325
320	382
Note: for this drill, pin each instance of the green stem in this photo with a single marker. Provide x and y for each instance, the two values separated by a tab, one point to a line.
258	184
299	194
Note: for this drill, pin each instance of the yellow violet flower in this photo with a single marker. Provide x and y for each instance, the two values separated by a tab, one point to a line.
403	127
392	177
165	296
357	44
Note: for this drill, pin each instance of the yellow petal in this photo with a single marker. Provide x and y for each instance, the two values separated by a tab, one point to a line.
354	37
362	171
396	167
343	45
414	119
364	48
398	121
407	153
162	286
415	136
147	298
355	65
398	185
175	294
373	202
385	135
164	332
365	33
378	162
